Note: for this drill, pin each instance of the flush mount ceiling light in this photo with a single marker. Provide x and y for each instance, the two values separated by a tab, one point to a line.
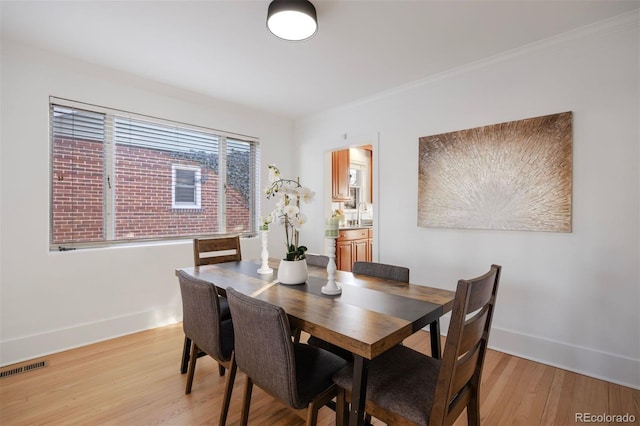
294	20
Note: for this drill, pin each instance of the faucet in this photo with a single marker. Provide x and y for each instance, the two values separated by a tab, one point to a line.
358	214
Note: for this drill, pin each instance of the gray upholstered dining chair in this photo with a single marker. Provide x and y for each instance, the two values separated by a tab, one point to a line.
381	270
317	259
373	269
297	374
406	387
208	332
209	251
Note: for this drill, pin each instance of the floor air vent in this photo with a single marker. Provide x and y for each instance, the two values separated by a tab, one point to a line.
23	369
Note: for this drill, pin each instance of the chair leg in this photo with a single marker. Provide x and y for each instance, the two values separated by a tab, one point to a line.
228	389
246	402
342	414
473	410
296	335
192	366
185	355
221	369
319	401
312	414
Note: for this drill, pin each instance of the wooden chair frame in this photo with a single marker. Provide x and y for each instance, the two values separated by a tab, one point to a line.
460	372
210	246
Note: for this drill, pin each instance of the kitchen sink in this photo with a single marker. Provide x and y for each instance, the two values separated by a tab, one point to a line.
366	222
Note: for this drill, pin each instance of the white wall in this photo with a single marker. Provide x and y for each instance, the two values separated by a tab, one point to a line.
566	299
51	301
570	300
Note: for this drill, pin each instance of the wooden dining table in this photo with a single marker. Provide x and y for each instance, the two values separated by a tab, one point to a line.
370	316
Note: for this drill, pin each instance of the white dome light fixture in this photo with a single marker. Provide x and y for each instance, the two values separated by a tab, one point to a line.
293	20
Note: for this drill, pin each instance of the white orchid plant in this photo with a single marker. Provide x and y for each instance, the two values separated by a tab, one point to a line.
287	211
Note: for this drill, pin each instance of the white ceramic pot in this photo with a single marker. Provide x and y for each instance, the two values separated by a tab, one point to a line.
292	272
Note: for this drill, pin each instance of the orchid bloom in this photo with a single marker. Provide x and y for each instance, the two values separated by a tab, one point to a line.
287	211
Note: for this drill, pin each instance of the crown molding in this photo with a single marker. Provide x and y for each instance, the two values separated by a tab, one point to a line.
592	31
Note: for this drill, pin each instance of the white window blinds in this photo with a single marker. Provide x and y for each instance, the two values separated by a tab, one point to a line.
118	176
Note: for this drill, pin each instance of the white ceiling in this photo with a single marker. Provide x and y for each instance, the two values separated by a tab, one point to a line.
223	49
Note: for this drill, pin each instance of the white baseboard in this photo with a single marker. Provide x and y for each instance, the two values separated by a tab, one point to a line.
610	367
601	365
39	345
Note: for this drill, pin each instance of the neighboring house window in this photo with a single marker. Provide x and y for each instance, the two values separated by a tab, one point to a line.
186	187
121	177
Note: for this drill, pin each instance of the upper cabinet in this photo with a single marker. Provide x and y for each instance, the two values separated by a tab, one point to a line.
340	175
368	151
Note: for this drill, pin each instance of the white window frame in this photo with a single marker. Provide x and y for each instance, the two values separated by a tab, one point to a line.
109	220
197	183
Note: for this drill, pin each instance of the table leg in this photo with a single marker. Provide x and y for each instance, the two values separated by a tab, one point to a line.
434	332
358	390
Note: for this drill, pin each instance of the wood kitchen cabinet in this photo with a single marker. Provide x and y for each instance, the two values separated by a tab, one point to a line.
353	245
340	175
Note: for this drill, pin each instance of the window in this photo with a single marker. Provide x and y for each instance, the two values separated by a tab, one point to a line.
122	177
186	187
354	176
355	179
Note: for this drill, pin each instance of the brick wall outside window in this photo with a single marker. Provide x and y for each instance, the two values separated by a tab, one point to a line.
142	202
77	190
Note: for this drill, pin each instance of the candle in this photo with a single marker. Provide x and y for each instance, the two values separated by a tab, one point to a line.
331	230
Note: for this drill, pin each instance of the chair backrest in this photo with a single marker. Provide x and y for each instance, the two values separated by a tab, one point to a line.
465	348
381	270
216	250
263	346
201	316
317	259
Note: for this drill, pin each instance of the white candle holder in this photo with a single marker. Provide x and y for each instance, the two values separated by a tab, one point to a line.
332	287
264	267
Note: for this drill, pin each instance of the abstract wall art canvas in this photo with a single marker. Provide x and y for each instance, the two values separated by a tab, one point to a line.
509	176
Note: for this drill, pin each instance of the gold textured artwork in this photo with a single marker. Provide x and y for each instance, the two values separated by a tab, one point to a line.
510	176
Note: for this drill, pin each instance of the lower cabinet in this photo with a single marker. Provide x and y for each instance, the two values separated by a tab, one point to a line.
353	245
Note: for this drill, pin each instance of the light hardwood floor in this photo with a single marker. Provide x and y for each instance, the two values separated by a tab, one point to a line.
135	380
